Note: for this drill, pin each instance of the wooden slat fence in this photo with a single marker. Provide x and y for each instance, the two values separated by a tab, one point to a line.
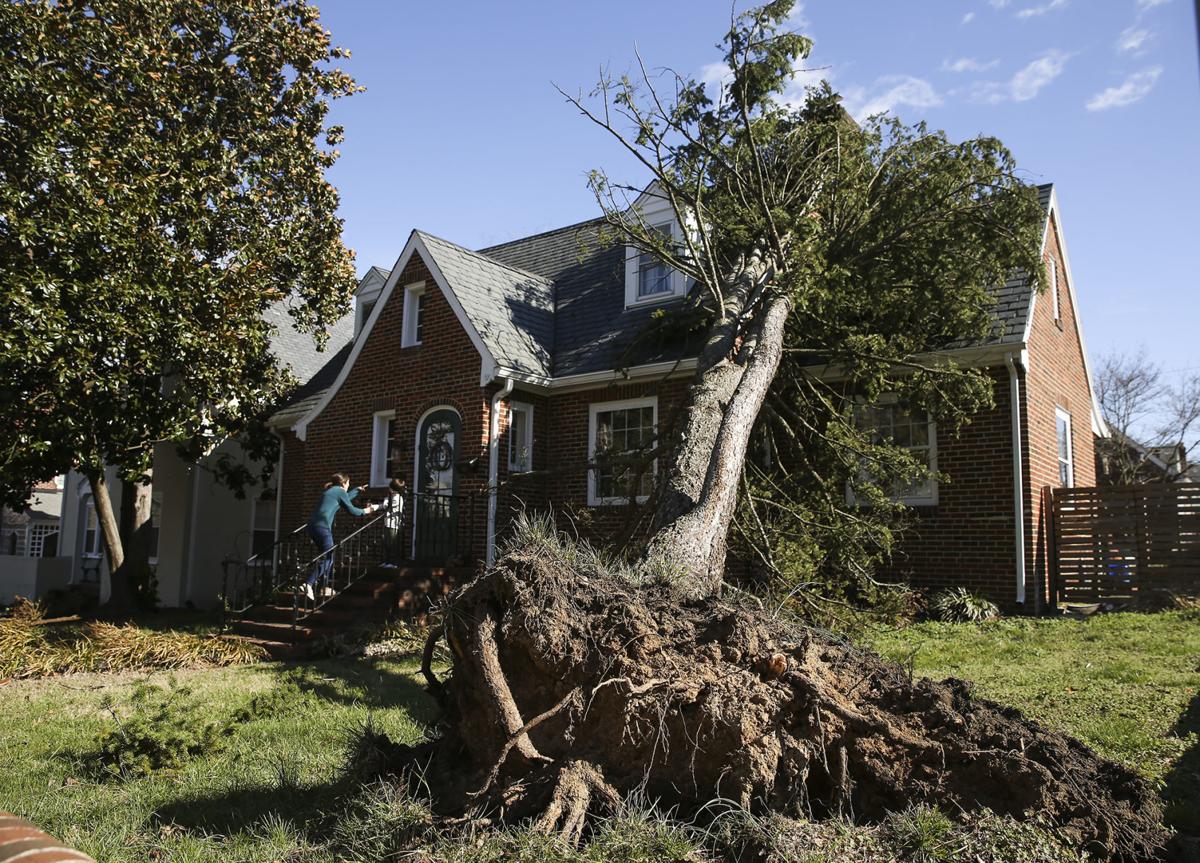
1112	544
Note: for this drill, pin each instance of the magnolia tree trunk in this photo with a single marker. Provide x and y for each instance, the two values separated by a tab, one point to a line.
114	549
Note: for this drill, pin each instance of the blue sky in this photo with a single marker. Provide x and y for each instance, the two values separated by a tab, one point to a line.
461	133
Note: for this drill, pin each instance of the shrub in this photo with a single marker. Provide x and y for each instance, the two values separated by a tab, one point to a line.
959	605
164	729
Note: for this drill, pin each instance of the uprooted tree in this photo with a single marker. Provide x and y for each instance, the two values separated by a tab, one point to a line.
162	182
575	682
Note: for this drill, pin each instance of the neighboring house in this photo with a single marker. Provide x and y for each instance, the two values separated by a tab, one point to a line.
1118	455
30	559
523	368
196	522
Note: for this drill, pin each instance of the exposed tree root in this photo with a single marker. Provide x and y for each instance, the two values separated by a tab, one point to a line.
632	690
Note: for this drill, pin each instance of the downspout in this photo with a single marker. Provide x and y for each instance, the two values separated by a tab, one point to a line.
1014	397
494	465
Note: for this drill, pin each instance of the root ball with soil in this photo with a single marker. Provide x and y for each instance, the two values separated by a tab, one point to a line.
573	687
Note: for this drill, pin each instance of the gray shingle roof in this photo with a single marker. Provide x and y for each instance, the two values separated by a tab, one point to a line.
510	308
593	331
315	369
297	350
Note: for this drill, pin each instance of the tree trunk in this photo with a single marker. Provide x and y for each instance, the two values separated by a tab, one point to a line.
136	512
114	550
697	504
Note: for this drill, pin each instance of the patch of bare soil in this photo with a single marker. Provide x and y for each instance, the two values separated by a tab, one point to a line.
567	693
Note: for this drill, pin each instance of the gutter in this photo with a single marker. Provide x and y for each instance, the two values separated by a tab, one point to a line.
1014	398
494	465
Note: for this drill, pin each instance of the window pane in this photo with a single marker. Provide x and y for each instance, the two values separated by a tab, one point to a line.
419	329
622	437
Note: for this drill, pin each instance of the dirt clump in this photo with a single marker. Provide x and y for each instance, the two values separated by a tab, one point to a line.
568	692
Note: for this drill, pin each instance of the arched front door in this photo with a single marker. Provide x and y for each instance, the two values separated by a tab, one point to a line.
435	525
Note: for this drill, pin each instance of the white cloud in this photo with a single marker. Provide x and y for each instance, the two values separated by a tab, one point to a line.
1134	88
1150	4
888	93
967	64
1038	11
998	4
968	18
712	74
1025	84
797	19
1133	39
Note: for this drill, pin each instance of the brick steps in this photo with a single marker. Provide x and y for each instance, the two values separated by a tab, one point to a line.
384	592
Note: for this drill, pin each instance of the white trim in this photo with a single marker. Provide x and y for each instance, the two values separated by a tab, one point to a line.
415	245
379	446
1014	395
597	407
527	464
1064	414
592	380
1053	217
657	214
1052	267
410	319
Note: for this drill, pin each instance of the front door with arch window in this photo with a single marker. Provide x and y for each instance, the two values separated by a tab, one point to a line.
435	513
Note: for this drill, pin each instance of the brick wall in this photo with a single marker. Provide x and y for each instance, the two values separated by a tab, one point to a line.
1056	378
968	538
442	370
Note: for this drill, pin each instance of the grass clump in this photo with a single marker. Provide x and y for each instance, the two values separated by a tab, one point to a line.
165	728
29	647
959	605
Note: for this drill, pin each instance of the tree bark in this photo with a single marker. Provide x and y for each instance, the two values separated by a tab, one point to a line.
136	506
114	550
697	505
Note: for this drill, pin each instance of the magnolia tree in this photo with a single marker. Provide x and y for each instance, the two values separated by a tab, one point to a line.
162	181
810	238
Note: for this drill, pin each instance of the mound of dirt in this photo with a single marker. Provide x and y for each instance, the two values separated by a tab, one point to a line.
568	692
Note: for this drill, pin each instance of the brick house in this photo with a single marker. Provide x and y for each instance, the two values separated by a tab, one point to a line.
510	368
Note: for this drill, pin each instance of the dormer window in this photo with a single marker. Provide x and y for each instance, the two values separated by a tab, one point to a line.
648	279
654	277
414	312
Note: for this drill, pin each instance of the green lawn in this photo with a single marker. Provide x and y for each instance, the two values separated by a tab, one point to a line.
1127	684
267	796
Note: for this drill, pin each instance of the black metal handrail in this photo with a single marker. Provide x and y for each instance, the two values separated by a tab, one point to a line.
246	583
349	560
430	527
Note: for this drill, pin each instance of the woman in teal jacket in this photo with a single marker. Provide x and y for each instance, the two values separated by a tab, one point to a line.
337	495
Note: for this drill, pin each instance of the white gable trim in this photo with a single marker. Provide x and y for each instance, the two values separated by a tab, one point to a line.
415	245
1054	217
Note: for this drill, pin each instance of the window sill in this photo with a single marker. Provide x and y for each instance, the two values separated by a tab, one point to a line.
656	300
616	501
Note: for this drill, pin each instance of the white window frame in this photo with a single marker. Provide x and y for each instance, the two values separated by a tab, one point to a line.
1055	302
600	407
156	501
89	513
379	447
412	313
515	465
658	215
930	499
1063	414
